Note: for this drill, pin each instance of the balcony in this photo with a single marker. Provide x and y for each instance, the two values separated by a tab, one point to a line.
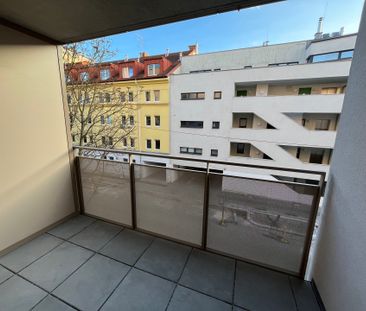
163	238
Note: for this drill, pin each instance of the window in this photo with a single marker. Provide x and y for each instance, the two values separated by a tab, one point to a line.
148	143
124	122
304	90
102	121
240	148
105	74
127	72
107	97
192	95
103	140
132	121
73	137
110	140
217	94
282	64
322	125
241	93
157	120
84	76
109	120
324	57
124	142
157	144
91	138
148	120
85	139
130	96
147	96
346	54
123	96
132	142
243	122
214	152
68	98
156	95
215	124
153	69
191	150
248	67
191	124
316	156
330	90
89	120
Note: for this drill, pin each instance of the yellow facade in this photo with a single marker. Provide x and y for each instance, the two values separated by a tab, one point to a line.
157	108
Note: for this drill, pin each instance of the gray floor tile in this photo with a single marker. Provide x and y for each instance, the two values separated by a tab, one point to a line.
262	289
96	235
165	259
91	285
140	291
29	252
210	274
4	274
17	294
127	246
304	295
52	304
71	227
50	270
185	299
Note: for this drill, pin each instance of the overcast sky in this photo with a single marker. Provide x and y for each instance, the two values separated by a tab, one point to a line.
285	21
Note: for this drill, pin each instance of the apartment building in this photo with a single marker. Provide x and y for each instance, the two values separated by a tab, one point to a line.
274	105
143	87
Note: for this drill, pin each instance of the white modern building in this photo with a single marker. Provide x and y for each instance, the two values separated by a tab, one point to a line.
275	105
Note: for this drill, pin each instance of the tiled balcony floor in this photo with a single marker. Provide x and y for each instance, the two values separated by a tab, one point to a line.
87	264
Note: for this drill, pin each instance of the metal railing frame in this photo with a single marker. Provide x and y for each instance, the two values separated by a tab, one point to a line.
207	172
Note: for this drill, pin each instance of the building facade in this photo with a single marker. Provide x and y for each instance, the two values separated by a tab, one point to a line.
131	100
274	105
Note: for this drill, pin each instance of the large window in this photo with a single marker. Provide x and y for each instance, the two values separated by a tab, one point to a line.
191	150
192	95
326	57
132	120
243	122
316	156
322	125
127	72
215	124
153	69
241	93
214	152
105	74
130	96
157	120
191	124
240	148
124	122
148	143
148	121
304	90
156	95
147	96
84	76
157	144
217	94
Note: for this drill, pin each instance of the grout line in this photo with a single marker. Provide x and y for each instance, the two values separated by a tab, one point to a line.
177	282
234	282
112	292
293	293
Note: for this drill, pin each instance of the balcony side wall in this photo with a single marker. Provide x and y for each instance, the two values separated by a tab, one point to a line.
340	269
35	178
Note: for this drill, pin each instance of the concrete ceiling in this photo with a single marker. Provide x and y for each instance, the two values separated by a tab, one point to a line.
65	21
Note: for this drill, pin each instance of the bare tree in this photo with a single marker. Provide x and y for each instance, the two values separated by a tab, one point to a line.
101	112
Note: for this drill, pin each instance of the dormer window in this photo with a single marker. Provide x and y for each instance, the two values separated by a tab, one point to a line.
127	72
105	74
153	69
84	76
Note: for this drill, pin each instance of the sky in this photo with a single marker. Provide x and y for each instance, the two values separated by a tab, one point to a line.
290	20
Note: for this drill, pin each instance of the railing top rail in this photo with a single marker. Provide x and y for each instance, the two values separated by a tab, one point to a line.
139	153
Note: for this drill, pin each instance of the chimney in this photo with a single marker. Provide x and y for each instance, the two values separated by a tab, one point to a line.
166	52
319	33
143	54
193	49
341	31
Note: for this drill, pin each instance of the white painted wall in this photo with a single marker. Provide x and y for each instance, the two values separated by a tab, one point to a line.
340	267
262	56
273	109
35	179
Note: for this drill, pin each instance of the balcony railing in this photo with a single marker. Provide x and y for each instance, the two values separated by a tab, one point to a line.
249	217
